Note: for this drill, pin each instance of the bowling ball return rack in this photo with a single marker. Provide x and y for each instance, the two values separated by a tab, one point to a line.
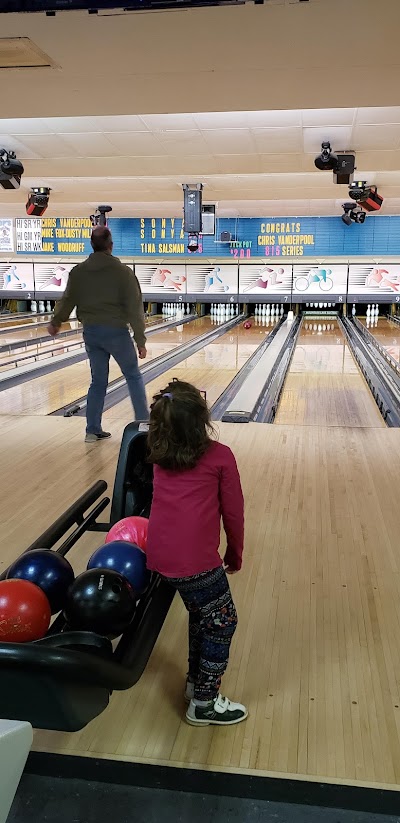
65	680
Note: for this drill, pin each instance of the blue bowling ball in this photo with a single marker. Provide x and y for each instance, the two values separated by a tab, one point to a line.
48	570
125	558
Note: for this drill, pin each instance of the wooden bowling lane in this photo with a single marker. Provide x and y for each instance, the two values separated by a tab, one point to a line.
324	386
38	351
387	334
11	320
211	369
31	332
45	394
51	345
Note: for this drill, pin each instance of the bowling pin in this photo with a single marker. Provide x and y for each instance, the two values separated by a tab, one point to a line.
368	311
41	306
48	306
281	309
353	311
272	309
376	310
34	307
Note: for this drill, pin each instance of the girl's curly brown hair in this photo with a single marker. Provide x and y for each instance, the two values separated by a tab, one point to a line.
180	427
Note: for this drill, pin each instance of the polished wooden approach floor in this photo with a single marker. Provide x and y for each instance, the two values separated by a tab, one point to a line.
317	652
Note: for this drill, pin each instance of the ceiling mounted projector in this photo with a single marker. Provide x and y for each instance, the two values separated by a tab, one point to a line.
326	161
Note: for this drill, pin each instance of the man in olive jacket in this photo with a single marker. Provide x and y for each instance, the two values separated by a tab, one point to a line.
108	298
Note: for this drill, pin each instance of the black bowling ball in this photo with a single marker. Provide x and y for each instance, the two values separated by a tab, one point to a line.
101	601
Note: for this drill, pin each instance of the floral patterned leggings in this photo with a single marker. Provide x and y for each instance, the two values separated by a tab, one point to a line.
212	624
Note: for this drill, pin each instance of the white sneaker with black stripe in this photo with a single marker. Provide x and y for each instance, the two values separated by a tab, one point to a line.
219	712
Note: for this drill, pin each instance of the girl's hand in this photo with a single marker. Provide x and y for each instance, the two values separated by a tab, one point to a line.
231	570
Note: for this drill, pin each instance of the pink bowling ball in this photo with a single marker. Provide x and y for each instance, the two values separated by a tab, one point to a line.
130	530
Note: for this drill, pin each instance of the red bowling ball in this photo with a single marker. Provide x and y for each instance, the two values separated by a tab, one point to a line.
24	612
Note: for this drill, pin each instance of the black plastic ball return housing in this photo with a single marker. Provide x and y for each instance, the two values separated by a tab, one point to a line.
65	680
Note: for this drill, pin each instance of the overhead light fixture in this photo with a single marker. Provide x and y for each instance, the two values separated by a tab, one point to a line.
366	196
99	217
326	161
11	170
38	201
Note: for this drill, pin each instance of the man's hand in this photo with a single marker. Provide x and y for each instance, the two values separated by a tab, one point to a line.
231	570
52	329
142	352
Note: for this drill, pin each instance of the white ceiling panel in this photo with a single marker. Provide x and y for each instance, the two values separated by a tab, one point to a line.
229	141
238	164
93	144
288	163
25	126
10	143
340	137
247	119
278	140
160	122
181	143
385	136
48	146
378	115
328	117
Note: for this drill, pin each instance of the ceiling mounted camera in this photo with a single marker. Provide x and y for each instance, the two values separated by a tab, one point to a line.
11	170
99	217
326	161
352	214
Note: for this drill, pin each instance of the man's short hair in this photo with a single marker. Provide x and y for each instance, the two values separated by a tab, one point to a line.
101	238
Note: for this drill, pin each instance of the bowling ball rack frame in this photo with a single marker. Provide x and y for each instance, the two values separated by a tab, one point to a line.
65	680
